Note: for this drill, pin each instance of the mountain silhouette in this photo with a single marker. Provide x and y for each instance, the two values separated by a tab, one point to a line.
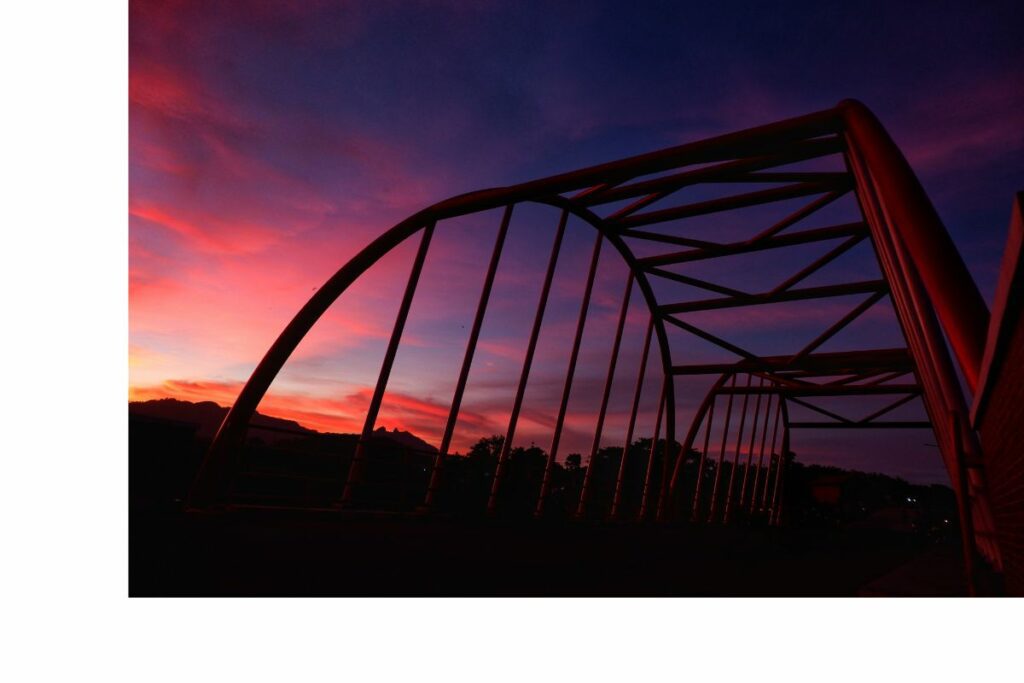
207	416
406	439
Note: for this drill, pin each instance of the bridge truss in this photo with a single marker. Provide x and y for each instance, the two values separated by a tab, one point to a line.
731	459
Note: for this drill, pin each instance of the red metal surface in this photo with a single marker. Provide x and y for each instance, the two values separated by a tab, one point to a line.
467	359
921	273
569	376
602	411
619	478
645	501
355	471
531	347
913	219
998	411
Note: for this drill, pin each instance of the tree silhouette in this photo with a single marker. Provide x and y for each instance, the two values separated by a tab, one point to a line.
487	447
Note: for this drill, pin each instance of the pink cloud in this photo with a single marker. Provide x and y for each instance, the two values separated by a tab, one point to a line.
213	235
968	127
341	414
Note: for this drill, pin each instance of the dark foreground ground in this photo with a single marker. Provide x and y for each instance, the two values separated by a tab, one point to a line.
259	553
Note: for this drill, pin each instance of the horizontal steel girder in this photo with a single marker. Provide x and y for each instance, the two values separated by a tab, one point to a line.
708	250
869	286
905	424
826	390
821	364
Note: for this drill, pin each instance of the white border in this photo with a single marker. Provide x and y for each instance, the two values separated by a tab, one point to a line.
66	610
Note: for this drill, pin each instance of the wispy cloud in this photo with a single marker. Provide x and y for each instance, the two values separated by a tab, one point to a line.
271	141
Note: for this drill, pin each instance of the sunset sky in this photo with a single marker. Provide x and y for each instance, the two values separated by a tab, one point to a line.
270	141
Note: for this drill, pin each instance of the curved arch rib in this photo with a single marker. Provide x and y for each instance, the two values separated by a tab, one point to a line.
930	286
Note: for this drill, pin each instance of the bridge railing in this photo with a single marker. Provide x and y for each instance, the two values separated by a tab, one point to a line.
633	206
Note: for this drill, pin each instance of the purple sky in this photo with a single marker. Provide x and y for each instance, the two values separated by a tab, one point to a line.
270	141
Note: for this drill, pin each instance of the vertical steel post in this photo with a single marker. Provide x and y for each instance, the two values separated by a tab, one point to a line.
467	359
648	478
567	387
760	455
356	467
774	513
771	454
750	449
588	478
617	496
506	447
703	455
721	453
666	464
736	457
691	435
964	505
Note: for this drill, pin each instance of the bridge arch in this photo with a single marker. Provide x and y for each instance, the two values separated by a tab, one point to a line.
217	467
923	275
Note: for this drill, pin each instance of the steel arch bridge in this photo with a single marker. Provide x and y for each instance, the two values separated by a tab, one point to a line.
743	424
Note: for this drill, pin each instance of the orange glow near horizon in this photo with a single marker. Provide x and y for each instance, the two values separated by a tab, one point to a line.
270	142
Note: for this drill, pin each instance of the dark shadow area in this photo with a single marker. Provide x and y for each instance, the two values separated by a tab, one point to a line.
260	553
845	533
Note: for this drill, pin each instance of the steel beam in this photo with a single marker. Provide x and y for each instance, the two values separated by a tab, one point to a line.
723	172
620	477
609	380
721	454
467	360
569	374
538	319
824	364
902	424
828	389
952	290
825	291
733	202
750	449
736	457
703	250
355	470
760	454
645	499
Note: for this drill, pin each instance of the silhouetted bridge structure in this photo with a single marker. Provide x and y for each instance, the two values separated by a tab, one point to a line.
727	460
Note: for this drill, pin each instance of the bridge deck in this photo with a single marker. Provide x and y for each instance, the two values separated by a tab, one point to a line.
330	554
